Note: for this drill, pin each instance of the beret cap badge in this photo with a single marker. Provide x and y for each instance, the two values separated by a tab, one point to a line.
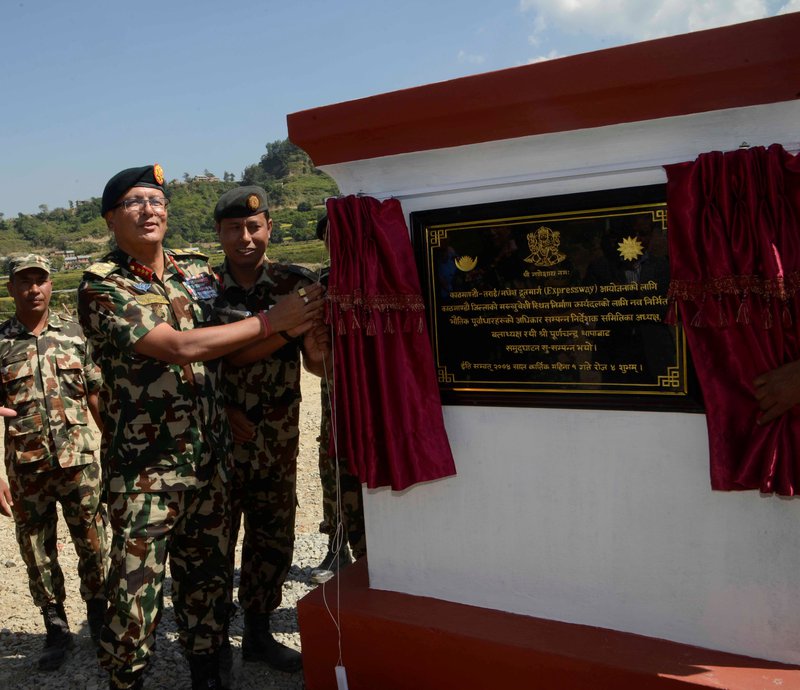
253	202
158	173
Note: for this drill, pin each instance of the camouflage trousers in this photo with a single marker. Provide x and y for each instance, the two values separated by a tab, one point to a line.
265	494
35	495
192	528
348	498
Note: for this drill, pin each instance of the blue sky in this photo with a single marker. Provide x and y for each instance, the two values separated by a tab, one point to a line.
90	87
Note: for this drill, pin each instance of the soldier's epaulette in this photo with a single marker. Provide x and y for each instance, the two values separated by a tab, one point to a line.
101	269
301	271
186	253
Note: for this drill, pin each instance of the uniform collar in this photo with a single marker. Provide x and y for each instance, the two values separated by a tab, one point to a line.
264	278
16	327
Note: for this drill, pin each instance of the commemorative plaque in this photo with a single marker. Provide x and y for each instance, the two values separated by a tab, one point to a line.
556	302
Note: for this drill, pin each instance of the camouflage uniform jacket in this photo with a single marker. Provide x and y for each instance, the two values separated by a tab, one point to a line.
164	424
46	379
268	391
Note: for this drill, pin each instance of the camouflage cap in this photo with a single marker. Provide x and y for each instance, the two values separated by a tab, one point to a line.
241	202
144	176
22	261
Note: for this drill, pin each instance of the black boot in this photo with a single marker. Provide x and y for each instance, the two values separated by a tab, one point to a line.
226	651
59	638
205	672
258	644
95	615
331	564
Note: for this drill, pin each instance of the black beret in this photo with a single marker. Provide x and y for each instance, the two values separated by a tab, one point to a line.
145	176
241	202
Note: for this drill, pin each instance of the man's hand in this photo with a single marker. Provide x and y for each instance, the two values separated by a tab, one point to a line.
296	309
317	349
778	391
5	498
7	412
242	428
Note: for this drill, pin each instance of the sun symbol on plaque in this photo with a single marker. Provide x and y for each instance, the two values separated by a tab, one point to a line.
466	263
630	248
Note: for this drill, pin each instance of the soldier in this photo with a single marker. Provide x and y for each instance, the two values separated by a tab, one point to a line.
263	402
149	311
51	384
341	490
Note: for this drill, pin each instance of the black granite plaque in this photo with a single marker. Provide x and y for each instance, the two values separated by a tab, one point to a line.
555	302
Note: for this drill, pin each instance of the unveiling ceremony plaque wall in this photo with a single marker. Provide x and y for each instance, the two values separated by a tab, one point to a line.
556	302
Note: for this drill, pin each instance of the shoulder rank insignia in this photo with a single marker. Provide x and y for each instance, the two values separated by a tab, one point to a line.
102	268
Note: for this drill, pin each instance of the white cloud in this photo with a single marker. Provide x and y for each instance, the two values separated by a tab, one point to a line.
543	58
471	59
791	6
639	20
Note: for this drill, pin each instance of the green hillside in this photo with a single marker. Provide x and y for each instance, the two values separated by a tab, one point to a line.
296	189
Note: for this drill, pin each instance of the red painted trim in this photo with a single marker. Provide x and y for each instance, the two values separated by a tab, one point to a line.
742	65
393	641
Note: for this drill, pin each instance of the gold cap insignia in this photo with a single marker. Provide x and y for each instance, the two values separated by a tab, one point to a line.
253	202
158	173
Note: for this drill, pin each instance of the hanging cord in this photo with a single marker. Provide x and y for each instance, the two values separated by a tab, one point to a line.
338	538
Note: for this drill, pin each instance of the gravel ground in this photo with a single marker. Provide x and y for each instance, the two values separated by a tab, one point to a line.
22	629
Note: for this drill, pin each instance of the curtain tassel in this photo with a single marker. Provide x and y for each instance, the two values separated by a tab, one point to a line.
389	328
354	324
697	319
371	326
723	317
420	325
768	316
341	329
787	316
743	314
671	316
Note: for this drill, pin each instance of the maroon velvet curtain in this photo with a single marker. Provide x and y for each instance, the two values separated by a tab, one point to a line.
388	413
734	244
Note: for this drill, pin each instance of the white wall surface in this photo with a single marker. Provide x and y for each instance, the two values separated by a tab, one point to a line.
603	518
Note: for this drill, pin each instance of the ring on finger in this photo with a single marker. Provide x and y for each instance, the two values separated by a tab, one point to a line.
302	292
305	299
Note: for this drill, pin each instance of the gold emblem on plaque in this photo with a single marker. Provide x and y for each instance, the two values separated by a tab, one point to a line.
630	248
466	263
544	245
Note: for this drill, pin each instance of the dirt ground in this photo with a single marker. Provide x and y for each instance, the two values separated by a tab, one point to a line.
22	630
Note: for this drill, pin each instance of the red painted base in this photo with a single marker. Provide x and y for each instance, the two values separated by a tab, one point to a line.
394	641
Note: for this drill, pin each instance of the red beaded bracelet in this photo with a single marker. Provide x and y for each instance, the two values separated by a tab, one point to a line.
266	327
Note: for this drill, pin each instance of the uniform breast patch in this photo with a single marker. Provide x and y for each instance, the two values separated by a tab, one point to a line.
151	298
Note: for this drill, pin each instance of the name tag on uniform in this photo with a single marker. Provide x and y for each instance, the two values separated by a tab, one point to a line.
201	287
151	298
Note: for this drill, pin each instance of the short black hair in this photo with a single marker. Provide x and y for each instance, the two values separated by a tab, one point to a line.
322	227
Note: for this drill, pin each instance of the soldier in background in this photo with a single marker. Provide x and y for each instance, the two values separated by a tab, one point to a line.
51	384
151	316
342	509
263	402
